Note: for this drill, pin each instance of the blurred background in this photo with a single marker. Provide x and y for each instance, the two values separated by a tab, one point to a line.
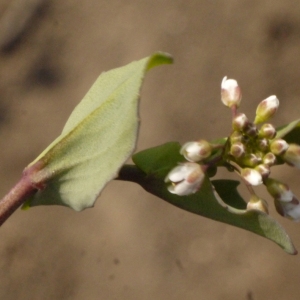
133	245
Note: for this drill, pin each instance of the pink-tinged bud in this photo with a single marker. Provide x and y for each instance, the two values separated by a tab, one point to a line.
267	131
239	122
237	149
279	190
264	170
290	210
256	203
266	109
196	151
230	92
263	144
292	155
250	130
269	159
279	146
252	176
186	179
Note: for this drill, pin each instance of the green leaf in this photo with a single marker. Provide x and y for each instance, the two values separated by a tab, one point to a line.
156	162
290	132
98	138
227	190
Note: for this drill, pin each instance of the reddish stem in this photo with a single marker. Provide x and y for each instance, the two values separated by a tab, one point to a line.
18	194
234	110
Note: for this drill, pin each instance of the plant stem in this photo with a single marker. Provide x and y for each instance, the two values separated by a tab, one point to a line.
27	187
18	194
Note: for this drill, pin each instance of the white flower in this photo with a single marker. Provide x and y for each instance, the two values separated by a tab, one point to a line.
289	209
186	179
252	176
286	196
196	151
285	201
230	92
279	190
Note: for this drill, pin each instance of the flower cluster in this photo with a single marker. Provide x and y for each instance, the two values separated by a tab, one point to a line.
251	149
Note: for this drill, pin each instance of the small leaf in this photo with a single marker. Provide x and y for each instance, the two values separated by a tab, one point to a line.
98	138
157	162
290	132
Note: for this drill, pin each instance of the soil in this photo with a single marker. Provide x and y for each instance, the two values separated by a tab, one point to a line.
132	245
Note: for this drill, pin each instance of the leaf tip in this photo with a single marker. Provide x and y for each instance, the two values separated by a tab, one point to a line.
294	252
159	58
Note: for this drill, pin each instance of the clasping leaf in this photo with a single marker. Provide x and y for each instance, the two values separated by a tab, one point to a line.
98	138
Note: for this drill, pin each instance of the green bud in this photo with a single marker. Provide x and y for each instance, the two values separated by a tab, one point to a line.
256	203
266	109
267	131
262	144
278	146
251	160
237	149
292	155
269	159
236	136
240	122
264	170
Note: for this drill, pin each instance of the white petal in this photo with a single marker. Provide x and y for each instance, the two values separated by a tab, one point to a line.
294	213
176	175
286	196
252	176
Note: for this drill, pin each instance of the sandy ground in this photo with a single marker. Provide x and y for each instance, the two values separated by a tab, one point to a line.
133	245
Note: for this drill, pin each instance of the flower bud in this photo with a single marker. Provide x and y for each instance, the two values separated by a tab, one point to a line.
230	92
266	109
278	146
267	131
290	210
186	179
279	190
250	130
251	160
252	176
196	151
236	136
264	170
262	144
292	155
237	149
239	122
256	203
269	159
